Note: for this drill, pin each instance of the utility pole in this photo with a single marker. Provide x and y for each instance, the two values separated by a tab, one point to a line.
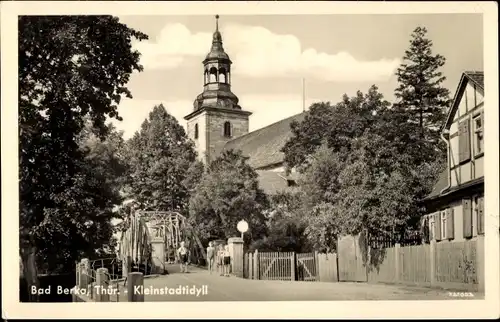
303	94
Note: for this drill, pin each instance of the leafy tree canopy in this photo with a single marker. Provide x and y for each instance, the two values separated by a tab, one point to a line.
70	68
160	157
336	124
227	193
285	226
373	182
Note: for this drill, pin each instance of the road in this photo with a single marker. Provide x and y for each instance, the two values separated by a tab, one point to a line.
220	288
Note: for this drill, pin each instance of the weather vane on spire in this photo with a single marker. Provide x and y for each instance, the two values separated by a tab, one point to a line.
217	22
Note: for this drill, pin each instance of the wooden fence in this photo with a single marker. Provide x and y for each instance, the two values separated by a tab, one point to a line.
452	265
289	266
327	267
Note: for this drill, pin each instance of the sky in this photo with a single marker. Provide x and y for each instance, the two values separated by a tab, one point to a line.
271	54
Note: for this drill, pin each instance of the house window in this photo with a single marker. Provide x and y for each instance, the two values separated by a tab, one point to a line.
443	225
227	129
196	131
478	134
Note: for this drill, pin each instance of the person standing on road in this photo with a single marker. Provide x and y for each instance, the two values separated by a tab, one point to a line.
220	259
182	254
210	257
227	260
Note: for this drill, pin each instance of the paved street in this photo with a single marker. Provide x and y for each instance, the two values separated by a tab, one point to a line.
221	288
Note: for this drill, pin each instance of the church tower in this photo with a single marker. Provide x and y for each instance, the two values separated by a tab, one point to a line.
216	118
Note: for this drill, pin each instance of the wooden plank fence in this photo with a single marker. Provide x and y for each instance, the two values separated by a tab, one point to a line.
327	267
453	265
456	263
350	264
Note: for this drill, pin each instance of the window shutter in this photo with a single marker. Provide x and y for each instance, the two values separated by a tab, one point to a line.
432	227
464	141
467	214
460	142
467	151
450	229
480	216
437	220
482	132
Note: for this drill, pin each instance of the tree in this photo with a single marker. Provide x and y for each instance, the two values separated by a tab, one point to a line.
70	67
420	93
82	214
333	124
374	189
285	226
324	226
193	175
361	176
161	156
227	193
320	179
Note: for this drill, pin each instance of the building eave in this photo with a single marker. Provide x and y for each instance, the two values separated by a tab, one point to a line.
472	185
270	165
216	109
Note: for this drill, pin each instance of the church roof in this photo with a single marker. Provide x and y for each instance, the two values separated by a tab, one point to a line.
263	146
272	182
217	51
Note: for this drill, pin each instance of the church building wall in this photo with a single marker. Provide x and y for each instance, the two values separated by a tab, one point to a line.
215	133
200	143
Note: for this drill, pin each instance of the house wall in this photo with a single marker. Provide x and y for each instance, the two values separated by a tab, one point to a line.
470	109
459	225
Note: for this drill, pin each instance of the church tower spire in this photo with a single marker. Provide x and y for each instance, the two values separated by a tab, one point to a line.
217	76
217	117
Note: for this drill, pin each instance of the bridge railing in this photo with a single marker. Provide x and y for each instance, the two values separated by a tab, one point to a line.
113	265
95	283
86	275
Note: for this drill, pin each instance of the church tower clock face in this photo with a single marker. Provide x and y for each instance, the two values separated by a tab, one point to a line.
217	117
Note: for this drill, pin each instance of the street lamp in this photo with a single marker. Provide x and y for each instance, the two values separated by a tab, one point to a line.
242	227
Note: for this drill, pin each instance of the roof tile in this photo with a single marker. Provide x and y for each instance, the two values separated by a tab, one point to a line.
263	145
476	77
441	183
272	182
